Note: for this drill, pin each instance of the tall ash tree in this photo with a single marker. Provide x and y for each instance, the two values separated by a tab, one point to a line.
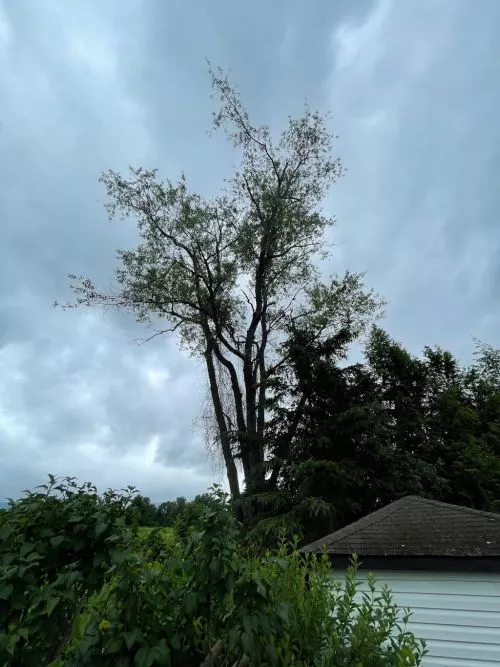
232	275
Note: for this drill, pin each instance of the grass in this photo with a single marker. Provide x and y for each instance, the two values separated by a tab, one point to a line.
168	534
144	531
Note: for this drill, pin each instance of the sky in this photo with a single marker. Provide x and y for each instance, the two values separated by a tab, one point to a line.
86	86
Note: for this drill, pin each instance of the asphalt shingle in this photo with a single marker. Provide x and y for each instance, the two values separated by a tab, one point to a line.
415	526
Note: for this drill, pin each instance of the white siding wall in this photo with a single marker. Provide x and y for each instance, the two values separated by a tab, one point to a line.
458	614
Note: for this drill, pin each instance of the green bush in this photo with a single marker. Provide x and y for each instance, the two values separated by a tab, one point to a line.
56	548
161	602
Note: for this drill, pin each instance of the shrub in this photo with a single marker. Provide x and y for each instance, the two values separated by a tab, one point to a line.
174	604
56	548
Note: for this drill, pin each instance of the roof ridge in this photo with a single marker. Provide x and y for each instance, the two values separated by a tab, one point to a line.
459	508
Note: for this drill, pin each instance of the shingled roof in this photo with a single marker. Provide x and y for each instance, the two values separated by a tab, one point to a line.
415	526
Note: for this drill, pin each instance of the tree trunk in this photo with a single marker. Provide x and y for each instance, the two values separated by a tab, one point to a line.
231	470
217	658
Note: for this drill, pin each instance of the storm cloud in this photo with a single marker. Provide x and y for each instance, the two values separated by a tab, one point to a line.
413	91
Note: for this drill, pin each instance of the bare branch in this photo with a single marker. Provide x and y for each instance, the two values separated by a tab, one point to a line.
159	332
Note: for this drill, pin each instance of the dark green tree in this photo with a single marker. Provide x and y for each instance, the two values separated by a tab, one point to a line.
143	511
464	426
169	511
445	414
350	438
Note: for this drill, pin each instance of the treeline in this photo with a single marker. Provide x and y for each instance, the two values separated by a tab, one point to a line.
364	435
167	514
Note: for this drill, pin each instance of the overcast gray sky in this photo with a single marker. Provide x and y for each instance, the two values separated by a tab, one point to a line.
414	92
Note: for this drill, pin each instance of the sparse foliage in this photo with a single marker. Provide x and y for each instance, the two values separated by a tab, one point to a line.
232	275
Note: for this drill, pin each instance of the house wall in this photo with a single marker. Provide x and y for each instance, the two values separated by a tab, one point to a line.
458	614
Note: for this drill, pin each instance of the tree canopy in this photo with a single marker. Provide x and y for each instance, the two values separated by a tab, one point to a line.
232	275
368	433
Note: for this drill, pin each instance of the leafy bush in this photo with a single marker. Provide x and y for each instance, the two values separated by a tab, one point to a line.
56	548
159	601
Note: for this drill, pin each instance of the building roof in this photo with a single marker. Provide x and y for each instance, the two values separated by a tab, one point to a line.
415	526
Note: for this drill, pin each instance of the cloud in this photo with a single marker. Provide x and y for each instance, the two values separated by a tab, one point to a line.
91	86
96	404
77	394
414	93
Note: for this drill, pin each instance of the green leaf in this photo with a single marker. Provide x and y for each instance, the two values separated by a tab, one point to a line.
100	529
57	540
26	547
234	637
282	611
13	639
144	657
271	653
161	653
51	605
114	645
131	637
6	591
76	627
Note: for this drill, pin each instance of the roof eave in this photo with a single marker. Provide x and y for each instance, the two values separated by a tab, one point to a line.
418	563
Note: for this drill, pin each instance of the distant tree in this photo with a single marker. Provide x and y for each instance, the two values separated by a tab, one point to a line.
205	499
144	511
170	510
233	274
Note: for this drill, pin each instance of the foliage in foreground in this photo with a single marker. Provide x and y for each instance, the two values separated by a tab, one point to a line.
79	587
